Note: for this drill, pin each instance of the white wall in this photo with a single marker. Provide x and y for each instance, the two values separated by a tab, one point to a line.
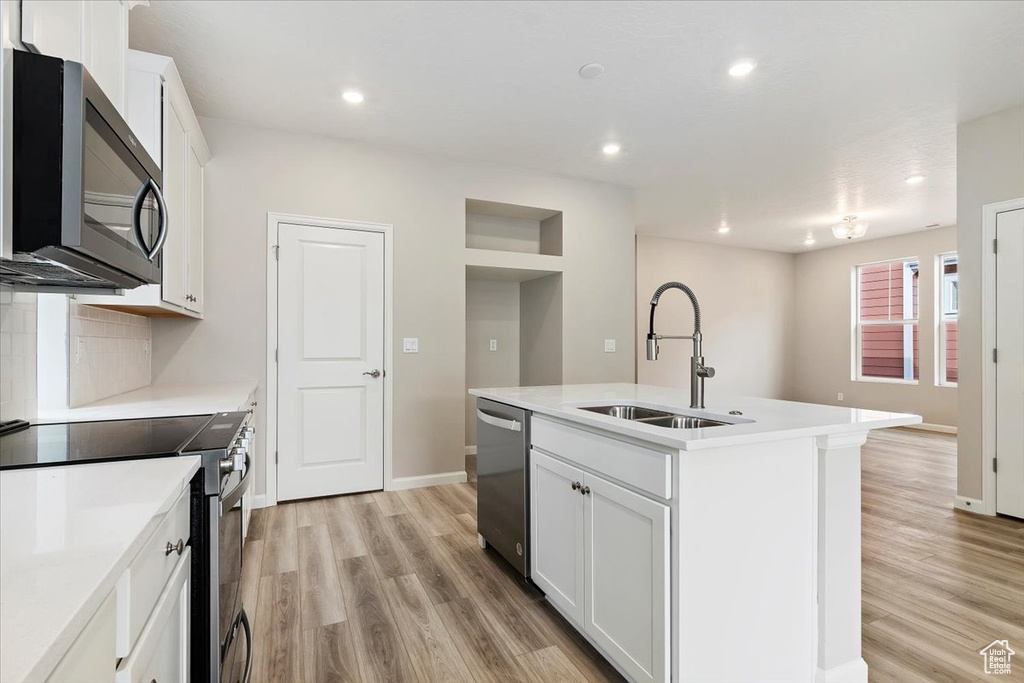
492	312
746	300
824	334
254	171
990	168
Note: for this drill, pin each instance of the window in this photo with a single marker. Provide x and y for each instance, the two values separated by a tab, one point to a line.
886	337
949	311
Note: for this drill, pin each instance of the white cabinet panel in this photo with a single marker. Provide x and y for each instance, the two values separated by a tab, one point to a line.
195	232
556	533
105	47
174	189
54	27
627	584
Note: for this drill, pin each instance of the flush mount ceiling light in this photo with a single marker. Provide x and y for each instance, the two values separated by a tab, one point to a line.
742	68
611	149
848	230
591	71
352	96
809	241
723	229
915	179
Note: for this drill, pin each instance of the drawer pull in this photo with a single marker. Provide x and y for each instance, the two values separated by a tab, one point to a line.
179	547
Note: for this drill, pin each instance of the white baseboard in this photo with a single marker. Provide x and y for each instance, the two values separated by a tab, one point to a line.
470	450
929	427
974	505
404	483
854	671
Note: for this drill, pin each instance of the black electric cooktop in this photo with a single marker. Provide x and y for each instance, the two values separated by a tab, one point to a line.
62	444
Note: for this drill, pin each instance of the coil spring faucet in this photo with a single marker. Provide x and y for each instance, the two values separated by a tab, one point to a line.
698	371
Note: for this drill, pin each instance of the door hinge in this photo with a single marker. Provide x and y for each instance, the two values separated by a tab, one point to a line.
995	467
277	252
275	457
275	355
995	245
995	355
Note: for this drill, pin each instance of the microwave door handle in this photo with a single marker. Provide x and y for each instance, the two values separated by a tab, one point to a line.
161	209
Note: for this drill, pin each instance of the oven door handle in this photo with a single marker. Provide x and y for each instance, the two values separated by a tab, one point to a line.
229	499
161	211
243	619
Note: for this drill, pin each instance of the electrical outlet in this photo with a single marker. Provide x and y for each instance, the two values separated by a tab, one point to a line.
494	345
146	349
839	397
79	350
410	345
609	346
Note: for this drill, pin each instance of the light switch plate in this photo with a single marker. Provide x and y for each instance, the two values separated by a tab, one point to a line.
609	346
494	345
839	396
410	345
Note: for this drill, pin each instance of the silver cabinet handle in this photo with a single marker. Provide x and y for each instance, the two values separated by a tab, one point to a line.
178	547
373	373
511	425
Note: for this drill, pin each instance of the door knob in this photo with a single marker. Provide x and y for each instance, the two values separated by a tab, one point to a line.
373	373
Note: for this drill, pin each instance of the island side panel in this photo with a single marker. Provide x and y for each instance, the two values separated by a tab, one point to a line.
745	555
839	569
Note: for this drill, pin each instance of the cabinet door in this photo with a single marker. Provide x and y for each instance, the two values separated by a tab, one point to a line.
105	47
556	533
627	560
195	233
175	191
54	27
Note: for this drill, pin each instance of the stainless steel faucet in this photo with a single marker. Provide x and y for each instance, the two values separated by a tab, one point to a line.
698	371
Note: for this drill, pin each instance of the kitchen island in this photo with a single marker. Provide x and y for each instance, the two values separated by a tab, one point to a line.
723	552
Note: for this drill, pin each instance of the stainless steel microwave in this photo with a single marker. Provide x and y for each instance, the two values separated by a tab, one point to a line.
86	207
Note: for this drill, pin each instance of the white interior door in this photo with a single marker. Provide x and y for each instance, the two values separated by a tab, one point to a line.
1010	365
330	361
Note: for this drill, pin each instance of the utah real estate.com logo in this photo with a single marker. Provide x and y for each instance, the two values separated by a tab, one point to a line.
997	657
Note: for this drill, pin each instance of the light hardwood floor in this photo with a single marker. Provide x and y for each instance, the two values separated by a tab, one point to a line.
392	586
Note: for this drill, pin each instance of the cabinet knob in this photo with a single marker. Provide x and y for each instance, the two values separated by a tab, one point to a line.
576	486
178	547
585	490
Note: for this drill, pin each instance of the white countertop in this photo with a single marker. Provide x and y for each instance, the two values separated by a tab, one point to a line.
66	536
163	400
768	419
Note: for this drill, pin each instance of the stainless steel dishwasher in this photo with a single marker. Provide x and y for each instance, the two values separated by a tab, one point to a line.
502	487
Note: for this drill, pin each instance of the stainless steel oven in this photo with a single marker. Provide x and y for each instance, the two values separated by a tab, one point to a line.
87	212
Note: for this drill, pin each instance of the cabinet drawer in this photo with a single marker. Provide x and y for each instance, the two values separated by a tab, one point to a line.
139	588
162	650
643	468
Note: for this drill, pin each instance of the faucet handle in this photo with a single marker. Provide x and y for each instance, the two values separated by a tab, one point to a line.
705	371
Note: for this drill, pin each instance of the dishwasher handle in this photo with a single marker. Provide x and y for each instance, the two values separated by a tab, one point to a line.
511	425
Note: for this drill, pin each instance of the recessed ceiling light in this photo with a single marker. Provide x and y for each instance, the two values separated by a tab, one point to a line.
612	148
591	71
352	96
742	68
915	179
723	229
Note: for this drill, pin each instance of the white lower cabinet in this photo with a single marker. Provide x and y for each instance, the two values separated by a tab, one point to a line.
90	659
556	533
601	554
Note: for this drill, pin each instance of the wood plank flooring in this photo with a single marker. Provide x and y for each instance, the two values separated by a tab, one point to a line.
392	586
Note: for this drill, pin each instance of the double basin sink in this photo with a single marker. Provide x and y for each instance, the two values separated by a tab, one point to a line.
657	418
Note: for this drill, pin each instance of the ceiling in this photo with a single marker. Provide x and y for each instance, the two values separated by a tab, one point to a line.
847	100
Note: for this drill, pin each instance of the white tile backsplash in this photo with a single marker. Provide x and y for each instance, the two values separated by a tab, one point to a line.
17	355
110	353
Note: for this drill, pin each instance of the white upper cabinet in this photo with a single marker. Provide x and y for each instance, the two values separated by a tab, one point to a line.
161	116
93	32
